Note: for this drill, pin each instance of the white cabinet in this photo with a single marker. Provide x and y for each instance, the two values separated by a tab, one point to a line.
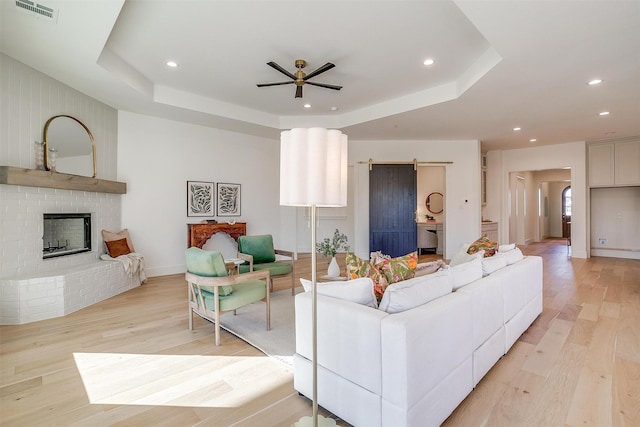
627	163
614	164
431	236
490	229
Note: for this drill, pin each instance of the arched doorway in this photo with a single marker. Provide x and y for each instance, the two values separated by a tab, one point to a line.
566	213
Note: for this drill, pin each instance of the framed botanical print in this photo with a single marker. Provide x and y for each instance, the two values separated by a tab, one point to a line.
228	200
200	201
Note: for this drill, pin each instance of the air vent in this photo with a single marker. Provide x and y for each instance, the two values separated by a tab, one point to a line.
37	9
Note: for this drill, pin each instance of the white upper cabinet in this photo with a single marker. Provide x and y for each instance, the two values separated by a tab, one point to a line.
614	164
601	165
627	163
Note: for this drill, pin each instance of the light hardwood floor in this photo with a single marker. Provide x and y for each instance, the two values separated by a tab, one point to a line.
578	365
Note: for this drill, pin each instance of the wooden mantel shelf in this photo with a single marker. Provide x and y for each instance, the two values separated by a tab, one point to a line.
36	178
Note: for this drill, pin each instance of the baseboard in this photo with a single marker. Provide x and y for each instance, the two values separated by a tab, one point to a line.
616	253
165	271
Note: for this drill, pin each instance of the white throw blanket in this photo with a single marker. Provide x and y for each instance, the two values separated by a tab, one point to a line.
133	263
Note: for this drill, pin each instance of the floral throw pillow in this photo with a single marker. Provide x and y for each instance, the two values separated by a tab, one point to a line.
400	268
484	244
357	267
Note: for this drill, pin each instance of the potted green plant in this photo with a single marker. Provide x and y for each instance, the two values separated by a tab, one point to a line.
329	247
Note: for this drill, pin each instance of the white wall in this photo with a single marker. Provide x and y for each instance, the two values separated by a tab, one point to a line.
548	157
615	217
462	182
156	157
28	99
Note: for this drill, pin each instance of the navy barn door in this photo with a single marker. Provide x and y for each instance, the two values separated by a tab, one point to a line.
392	206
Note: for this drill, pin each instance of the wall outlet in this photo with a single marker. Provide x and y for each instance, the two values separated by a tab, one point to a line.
602	241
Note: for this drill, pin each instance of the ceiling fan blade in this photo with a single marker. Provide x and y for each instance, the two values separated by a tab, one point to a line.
274	84
282	70
334	87
322	69
299	92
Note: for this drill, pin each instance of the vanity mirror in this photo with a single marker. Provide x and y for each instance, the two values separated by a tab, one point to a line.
72	144
435	203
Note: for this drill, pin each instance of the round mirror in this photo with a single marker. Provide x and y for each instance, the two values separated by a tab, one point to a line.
435	203
73	145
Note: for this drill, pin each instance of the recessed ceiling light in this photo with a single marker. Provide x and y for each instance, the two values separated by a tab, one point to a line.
307	105
517	129
429	61
334	108
594	82
172	64
603	113
532	140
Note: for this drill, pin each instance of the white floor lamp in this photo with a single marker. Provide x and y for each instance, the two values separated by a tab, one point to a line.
313	173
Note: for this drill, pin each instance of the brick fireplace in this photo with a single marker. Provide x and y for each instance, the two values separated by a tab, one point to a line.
33	287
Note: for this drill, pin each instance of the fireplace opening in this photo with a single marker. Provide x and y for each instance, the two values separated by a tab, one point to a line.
66	234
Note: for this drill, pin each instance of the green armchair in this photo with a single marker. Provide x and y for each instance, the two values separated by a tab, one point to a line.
213	292
259	254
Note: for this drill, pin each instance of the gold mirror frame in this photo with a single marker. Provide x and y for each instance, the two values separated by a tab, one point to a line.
51	144
430	203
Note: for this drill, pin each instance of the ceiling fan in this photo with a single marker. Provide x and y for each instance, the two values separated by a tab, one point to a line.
300	78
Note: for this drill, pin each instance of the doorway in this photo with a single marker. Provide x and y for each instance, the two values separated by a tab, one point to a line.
521	212
566	213
535	201
392	207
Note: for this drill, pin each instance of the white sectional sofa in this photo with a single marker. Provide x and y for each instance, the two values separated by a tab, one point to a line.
414	367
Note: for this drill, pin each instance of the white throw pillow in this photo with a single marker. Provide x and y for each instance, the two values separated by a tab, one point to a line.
506	248
513	256
358	290
411	293
463	274
462	256
493	263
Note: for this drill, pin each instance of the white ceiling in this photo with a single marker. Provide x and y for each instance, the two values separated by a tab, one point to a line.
498	64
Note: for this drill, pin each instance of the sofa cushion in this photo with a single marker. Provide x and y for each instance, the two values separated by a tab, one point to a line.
400	268
414	292
358	267
117	247
378	256
463	274
494	263
358	290
512	256
483	243
462	256
506	248
424	268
